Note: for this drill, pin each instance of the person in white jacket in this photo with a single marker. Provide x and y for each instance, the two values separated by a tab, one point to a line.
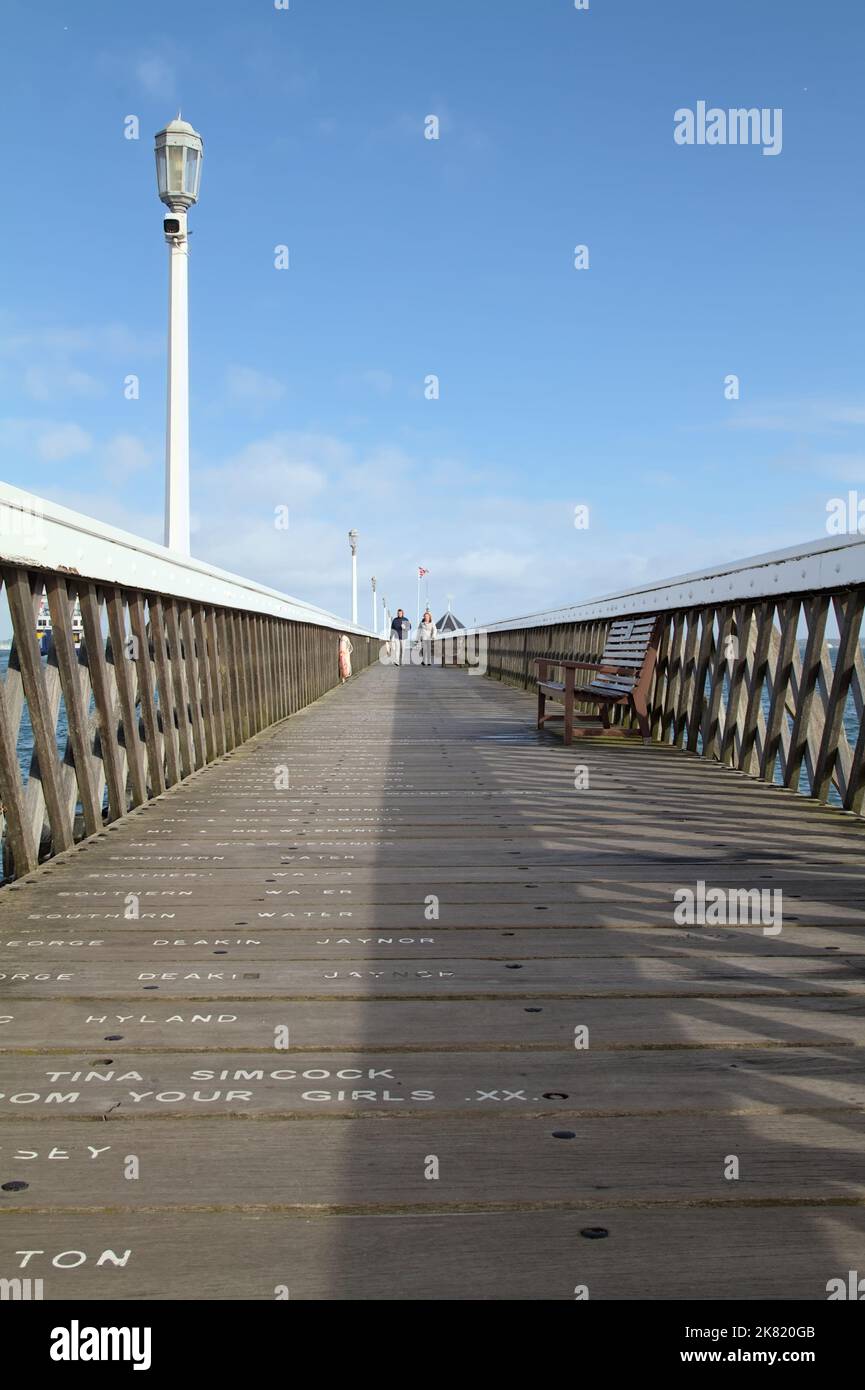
426	635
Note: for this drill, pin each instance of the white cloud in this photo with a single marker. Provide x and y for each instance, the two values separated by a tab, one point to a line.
157	76
796	417
125	454
379	381
371	380
58	442
492	555
284	469
382	474
49	441
495	566
481	539
16	343
47	383
246	386
50	363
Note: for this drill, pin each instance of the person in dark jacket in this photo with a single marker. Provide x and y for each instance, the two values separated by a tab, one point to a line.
399	631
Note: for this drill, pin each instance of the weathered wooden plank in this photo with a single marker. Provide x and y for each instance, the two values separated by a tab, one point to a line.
735	1251
230	680
855	796
482	1162
566	1084
206	709
107	715
817	611
848	648
21	835
169	719
253	630
160	934
711	724
517	1025
45	772
698	686
192	666
219	687
776	729
674	676
77	722
211	978
241	667
551	882
749	753
754	914
283	677
743	641
179	658
126	681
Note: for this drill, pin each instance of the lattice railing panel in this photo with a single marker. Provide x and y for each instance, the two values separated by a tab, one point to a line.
156	688
752	684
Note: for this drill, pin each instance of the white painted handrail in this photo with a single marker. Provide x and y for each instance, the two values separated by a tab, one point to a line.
36	533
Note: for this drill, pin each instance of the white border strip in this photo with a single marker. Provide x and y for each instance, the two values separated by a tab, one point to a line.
42	535
806	568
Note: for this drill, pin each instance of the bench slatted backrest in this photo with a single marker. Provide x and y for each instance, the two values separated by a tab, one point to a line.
627	644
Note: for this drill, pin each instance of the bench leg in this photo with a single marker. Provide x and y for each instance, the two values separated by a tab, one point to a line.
542	699
641	710
569	707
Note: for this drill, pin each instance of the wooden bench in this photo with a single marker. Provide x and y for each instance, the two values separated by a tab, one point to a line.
623	677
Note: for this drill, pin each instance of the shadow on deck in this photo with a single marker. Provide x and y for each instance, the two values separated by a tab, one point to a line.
420	1023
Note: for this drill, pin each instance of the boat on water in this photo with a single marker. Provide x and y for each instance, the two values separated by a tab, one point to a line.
43	624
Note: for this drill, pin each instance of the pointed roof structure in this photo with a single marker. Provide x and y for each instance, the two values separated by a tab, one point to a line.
450	622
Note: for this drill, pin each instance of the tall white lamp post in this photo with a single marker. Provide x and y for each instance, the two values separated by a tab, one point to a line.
179	152
374	608
352	540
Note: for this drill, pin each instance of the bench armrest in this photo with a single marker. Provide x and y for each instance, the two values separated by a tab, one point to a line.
586	666
572	665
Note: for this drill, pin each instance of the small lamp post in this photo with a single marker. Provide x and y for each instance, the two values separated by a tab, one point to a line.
352	540
374	608
179	152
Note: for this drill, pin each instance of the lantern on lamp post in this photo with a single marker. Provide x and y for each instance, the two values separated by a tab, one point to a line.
352	540
179	152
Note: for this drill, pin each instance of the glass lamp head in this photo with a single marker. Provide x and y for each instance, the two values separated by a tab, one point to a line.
179	152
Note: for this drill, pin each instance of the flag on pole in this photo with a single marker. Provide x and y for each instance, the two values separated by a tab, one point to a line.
420	574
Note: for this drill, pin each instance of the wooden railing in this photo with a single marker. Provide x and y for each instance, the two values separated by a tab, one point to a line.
162	680
745	672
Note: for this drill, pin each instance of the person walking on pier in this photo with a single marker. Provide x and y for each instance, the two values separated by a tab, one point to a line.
426	635
399	630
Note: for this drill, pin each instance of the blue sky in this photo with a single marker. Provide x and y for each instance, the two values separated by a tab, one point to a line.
410	257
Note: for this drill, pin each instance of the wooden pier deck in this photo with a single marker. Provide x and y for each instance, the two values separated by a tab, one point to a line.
338	1051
